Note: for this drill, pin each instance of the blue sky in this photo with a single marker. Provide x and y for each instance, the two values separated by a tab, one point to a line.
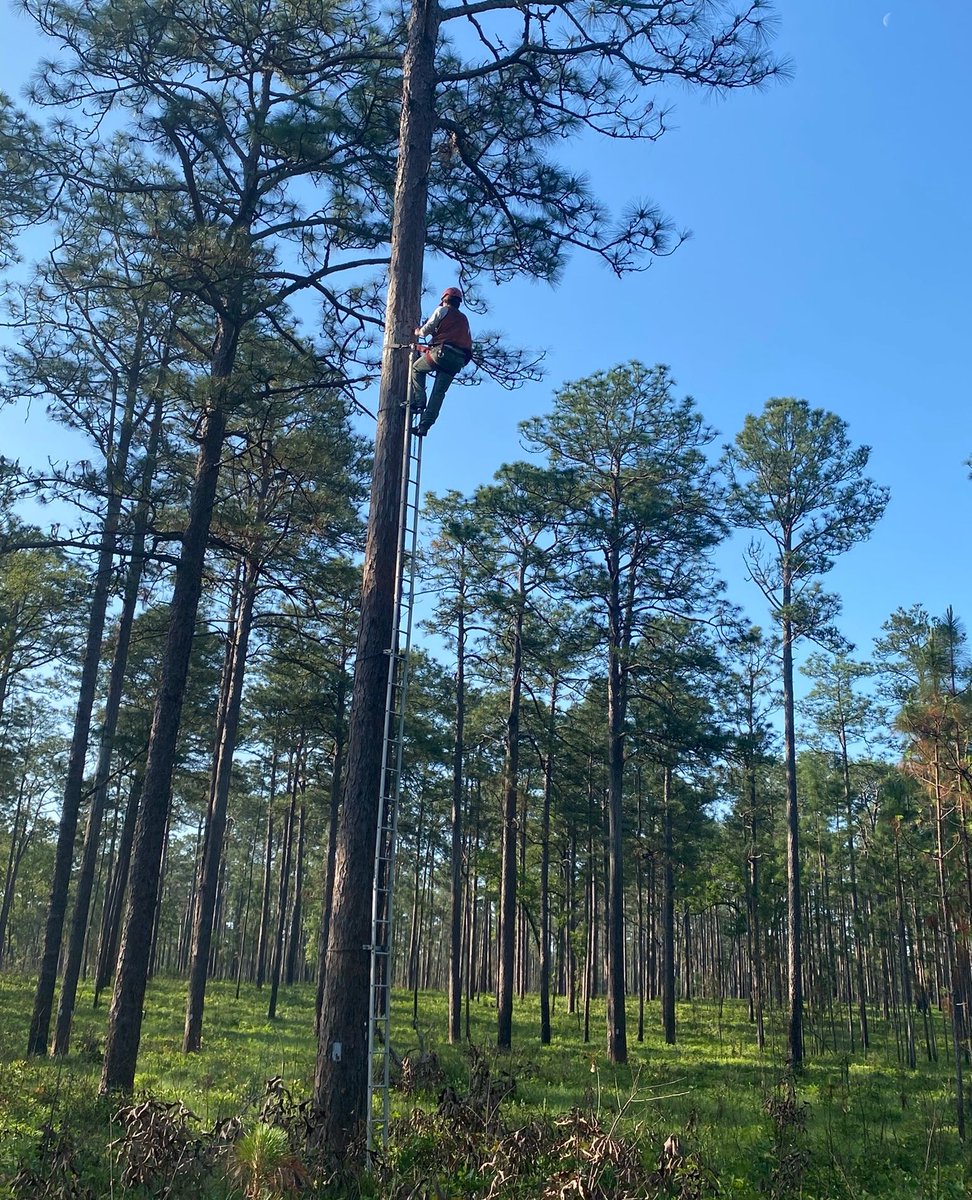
831	259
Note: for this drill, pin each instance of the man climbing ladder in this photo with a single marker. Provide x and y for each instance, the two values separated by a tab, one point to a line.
448	351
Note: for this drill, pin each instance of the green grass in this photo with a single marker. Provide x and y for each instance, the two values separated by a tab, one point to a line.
870	1128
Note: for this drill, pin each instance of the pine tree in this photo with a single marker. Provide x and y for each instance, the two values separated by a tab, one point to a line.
640	515
474	181
800	484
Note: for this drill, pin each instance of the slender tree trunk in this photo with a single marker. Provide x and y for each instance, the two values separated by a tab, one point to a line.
668	913
263	940
116	687
337	769
642	946
185	926
687	955
859	939
294	955
341	1078
6	664
455	856
115	899
286	849
212	852
469	933
590	902
125	1016
508	872
241	952
19	839
570	926
74	780
159	896
590	956
950	968
424	881
522	932
545	871
411	976
617	1037
755	932
903	964
794	901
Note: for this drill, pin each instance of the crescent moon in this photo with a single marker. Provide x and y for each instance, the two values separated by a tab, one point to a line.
886	20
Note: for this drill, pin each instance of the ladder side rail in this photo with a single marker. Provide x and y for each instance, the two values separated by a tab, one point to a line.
391	759
391	823
411	484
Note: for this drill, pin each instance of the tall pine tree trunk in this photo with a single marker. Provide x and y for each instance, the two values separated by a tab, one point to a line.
617	1036
337	770
507	916
212	854
111	917
904	965
752	908
263	938
794	922
116	470
668	914
286	850
858	924
19	838
297	909
125	1016
545	871
116	686
455	852
341	1078
244	929
949	965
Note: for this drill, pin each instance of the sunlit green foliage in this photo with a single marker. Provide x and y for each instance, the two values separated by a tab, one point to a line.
855	1127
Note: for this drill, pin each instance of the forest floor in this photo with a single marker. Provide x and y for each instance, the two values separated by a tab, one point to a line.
710	1117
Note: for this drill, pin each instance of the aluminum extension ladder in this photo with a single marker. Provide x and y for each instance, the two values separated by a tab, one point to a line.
379	1014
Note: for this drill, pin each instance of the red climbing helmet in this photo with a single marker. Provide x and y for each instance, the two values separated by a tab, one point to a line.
451	293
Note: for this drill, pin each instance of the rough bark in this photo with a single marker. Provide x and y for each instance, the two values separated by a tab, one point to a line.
341	1077
125	1016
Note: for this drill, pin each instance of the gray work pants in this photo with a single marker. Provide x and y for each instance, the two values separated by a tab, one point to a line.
447	363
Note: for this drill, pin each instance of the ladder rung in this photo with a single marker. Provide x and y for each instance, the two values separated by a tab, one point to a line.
390	787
